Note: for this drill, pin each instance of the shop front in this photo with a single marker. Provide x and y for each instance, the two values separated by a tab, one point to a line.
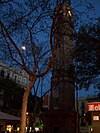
8	123
94	109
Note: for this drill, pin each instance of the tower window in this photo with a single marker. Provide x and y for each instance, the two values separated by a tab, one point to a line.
69	13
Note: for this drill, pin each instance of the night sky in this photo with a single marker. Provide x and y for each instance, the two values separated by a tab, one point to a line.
95	13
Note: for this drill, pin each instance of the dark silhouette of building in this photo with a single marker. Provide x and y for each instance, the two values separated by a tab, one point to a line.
61	117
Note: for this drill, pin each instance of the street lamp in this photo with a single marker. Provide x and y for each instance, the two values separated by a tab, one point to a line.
36	129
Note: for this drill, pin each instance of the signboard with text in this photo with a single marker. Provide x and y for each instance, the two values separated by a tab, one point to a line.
93	106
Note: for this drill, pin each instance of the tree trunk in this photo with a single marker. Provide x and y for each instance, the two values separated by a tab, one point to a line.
24	107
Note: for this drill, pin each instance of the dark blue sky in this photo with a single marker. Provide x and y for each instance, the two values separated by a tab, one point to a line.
88	9
96	4
96	13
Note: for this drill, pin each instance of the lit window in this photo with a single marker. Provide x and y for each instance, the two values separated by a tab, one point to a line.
69	13
9	127
96	118
36	129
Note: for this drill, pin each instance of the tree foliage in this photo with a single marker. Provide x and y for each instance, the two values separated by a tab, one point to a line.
24	29
86	55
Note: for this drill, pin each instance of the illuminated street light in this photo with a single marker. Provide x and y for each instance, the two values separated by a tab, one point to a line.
36	129
26	113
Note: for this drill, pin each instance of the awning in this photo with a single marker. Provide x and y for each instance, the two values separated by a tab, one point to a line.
4	116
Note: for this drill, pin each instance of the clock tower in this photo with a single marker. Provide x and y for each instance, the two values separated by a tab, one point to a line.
61	117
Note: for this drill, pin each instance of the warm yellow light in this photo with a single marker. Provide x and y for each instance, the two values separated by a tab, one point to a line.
36	129
18	128
26	129
9	127
30	129
84	114
26	113
96	118
69	13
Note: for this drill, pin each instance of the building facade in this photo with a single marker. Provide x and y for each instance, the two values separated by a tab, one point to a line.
9	102
19	76
89	114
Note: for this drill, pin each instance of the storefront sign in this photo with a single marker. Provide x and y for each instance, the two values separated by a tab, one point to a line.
93	106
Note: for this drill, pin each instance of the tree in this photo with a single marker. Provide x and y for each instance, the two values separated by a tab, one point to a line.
12	94
35	111
86	55
19	37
